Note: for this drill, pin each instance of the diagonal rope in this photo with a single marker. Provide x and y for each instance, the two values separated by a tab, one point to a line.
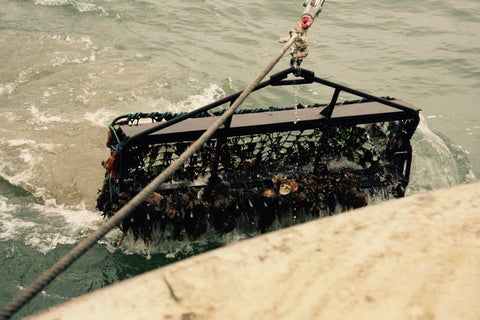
49	275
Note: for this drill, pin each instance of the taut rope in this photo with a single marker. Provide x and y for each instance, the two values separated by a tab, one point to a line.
49	275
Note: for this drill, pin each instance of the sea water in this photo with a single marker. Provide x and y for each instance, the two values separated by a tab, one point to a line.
68	67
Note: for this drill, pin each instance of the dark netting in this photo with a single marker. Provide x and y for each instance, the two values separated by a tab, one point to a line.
258	180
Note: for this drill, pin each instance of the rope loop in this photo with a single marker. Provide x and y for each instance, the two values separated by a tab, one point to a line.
299	49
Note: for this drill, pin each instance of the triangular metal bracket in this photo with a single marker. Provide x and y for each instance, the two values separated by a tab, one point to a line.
328	111
303	76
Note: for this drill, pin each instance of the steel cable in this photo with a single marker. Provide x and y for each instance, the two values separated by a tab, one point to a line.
49	275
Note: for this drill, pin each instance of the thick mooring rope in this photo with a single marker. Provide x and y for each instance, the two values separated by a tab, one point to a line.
48	276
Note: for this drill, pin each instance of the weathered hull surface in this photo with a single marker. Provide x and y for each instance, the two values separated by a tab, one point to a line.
412	258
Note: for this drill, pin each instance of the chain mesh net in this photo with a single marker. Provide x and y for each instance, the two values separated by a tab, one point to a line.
258	180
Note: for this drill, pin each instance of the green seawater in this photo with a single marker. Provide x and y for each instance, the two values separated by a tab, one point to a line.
68	67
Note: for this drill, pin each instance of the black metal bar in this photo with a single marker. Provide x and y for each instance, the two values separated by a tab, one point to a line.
130	140
366	96
126	144
306	75
218	148
291	82
309	77
408	164
243	126
278	79
327	112
191	114
275	80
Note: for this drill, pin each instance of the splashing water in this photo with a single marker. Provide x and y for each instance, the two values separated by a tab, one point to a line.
436	164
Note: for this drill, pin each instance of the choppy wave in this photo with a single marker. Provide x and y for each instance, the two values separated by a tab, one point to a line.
79	6
11	227
20	158
45	57
45	226
210	94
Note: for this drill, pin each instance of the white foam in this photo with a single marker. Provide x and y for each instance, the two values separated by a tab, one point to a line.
86	96
100	117
77	217
41	117
50	147
86	39
49	225
9	116
68	38
80	6
7	88
17	166
64	58
18	142
210	94
20	172
46	242
51	2
4	206
10	226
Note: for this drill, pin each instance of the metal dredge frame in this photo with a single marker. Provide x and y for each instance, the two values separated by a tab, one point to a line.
254	155
188	127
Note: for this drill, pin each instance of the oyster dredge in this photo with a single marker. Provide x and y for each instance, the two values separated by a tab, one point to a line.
264	166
